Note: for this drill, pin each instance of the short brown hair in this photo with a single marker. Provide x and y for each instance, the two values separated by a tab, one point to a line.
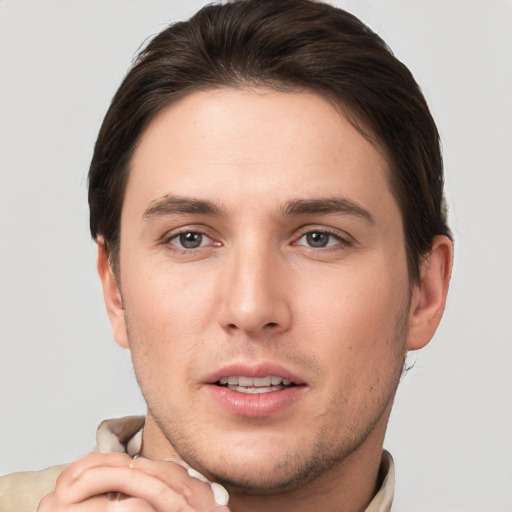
285	45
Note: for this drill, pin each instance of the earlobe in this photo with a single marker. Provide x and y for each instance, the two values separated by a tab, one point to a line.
429	296
112	295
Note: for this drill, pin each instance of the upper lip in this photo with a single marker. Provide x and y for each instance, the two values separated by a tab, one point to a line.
261	369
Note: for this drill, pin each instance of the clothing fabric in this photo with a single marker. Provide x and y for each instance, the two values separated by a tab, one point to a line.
22	492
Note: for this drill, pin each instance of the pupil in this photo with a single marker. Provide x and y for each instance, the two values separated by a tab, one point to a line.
316	239
191	240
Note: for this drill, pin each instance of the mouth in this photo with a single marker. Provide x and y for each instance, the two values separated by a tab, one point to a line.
257	390
252	385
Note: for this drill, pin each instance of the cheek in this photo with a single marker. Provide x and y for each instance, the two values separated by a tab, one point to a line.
360	312
165	318
168	298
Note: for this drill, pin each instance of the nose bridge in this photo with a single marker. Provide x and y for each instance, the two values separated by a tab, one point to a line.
254	296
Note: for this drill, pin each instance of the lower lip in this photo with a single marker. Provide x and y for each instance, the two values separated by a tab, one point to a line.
255	405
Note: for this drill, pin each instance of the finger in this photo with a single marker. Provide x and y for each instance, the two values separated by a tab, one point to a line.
132	482
74	486
91	461
220	494
95	504
66	481
197	493
125	505
52	503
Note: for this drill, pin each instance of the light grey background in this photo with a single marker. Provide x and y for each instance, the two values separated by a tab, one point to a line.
61	372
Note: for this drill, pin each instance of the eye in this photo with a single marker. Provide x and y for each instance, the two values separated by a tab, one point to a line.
190	240
319	239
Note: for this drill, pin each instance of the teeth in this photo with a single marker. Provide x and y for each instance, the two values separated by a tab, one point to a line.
258	382
263	381
254	390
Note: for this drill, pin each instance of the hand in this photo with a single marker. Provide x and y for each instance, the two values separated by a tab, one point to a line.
116	482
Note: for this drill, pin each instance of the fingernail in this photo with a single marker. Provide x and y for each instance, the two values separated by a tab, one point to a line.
220	494
198	476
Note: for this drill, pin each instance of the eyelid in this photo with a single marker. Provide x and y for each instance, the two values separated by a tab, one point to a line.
337	232
170	235
188	228
345	238
177	237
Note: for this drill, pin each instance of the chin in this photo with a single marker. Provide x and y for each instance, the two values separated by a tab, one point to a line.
267	483
272	473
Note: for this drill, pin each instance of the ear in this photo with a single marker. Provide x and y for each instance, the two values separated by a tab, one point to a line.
112	295
429	295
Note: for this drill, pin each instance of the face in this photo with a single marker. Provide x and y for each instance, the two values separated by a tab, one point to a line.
264	285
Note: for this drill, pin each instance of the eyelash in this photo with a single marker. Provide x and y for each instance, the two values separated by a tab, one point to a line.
341	242
168	240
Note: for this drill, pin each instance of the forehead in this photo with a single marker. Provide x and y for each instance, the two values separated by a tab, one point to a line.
226	143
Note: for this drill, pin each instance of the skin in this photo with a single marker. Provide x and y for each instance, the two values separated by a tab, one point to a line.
260	287
94	482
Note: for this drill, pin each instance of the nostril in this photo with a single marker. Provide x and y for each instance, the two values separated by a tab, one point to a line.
269	325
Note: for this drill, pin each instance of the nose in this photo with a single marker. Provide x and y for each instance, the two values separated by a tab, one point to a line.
255	298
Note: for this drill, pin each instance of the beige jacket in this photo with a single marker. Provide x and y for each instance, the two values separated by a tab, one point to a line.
22	492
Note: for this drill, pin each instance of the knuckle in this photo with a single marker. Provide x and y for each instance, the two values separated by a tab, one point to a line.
43	505
170	499
164	494
49	504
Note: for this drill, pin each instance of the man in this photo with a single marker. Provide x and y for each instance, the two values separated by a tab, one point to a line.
266	192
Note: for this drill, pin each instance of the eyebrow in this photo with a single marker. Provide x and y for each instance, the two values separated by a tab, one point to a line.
327	206
172	205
